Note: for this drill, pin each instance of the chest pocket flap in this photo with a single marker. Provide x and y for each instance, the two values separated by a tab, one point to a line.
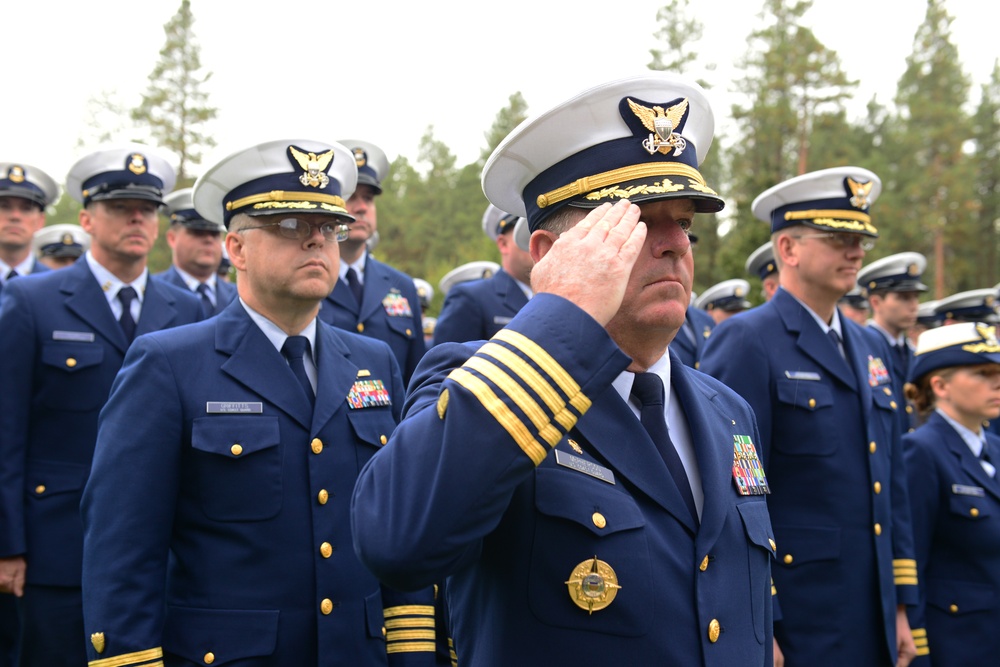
72	357
576	497
234	435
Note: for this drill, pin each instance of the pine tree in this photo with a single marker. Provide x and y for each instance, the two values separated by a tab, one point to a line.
506	120
986	127
175	106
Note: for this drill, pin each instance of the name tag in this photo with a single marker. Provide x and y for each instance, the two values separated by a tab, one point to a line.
78	336
803	375
234	407
586	467
964	490
498	319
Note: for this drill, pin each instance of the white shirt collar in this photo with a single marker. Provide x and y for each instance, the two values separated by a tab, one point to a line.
110	283
23	268
276	335
193	282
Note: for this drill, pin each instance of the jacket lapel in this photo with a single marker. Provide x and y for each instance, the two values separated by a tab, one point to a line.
342	297
158	310
811	339
255	363
969	464
335	374
376	286
510	292
86	300
616	433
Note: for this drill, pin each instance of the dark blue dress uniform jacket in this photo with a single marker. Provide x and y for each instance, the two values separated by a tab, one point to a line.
469	487
217	512
389	311
225	293
956	530
60	348
477	309
830	435
700	325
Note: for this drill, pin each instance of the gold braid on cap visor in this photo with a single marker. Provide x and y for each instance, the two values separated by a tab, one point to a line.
623	175
848	221
285	199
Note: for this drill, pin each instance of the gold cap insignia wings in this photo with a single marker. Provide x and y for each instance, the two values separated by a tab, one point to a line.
860	192
661	124
313	165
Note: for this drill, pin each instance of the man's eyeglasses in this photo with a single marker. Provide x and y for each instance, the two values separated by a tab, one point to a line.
300	230
841	241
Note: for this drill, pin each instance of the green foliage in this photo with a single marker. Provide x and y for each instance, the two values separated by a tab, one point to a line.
986	135
175	107
507	119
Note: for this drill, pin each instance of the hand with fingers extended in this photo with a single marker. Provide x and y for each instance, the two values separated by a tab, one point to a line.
590	264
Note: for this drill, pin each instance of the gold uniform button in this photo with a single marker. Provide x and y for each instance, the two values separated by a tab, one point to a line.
878	529
326	550
316	445
888	392
788	559
323	496
892	404
774	546
40	489
974	512
599	520
236	449
812	402
713	630
383	439
70	363
704	564
872	447
326	606
384	633
953	608
361	327
909	409
409	333
209	658
878	488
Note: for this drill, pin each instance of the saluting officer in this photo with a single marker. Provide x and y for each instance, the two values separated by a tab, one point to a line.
476	310
371	297
217	511
58	246
821	390
25	191
197	253
63	336
535	470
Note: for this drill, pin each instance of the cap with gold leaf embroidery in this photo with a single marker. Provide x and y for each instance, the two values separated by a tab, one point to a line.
132	171
831	200
372	163
641	138
961	344
18	179
285	176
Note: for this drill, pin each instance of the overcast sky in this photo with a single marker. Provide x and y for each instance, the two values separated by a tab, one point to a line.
385	71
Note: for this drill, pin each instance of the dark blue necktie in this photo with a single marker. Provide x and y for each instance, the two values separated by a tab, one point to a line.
835	338
206	301
13	274
294	349
357	289
126	295
648	391
902	358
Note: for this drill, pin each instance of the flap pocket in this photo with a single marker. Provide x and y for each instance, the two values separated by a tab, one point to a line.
577	497
228	634
70	356
802	545
808	395
883	400
960	597
973	508
49	478
235	435
757	523
372	425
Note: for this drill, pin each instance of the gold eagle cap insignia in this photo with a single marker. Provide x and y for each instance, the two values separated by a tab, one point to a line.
313	166
860	192
137	164
16	174
360	157
989	334
661	123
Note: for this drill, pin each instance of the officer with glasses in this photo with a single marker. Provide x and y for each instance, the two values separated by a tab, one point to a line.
822	390
216	514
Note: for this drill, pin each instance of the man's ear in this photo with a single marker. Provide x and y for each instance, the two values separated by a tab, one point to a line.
540	243
235	247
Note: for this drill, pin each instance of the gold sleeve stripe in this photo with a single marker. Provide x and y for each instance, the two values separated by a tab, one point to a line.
919	632
535	450
774	589
906	581
398	635
904	562
544	361
509	386
524	370
416	622
129	658
411	647
409	610
904	570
